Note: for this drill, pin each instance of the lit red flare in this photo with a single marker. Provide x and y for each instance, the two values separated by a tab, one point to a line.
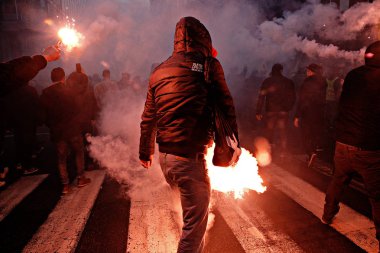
238	179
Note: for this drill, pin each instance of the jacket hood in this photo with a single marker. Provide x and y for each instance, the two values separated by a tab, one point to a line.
372	55
192	36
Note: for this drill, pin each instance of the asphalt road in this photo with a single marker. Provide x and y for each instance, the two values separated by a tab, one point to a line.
274	220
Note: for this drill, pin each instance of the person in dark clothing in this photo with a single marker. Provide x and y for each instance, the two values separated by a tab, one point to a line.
310	110
358	136
125	81
84	99
278	95
23	119
178	114
63	117
14	78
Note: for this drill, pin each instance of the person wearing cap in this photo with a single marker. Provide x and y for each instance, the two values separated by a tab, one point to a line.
19	104
178	115
63	117
358	136
309	114
277	95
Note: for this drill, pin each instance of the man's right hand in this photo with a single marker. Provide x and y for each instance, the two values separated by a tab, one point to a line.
259	117
296	122
147	164
51	53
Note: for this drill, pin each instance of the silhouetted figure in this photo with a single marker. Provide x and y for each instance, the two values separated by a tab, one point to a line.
64	119
84	99
311	108
277	95
125	81
105	90
358	136
23	118
16	74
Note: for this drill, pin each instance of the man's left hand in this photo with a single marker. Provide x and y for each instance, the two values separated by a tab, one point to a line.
147	164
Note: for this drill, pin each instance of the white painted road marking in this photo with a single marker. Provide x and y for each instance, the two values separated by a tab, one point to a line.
356	227
152	224
153	228
16	192
247	229
61	231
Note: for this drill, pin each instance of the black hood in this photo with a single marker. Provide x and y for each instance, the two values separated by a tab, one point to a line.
192	36
372	55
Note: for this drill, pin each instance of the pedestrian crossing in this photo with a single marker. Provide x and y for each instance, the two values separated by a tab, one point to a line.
154	224
61	231
15	193
348	222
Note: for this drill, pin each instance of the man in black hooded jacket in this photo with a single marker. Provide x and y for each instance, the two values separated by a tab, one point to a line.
178	114
358	136
310	110
278	95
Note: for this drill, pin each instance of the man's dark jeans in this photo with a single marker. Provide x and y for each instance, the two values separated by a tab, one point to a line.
348	160
277	121
77	146
191	177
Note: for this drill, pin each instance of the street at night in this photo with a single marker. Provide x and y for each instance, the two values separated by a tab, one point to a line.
189	126
104	218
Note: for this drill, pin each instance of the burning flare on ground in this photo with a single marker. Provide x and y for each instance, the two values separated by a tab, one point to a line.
238	179
70	37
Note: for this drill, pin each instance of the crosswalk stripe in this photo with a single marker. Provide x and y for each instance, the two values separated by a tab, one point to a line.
152	224
356	227
247	229
62	229
16	192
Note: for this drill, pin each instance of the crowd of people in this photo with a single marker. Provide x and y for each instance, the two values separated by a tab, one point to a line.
313	107
69	107
184	93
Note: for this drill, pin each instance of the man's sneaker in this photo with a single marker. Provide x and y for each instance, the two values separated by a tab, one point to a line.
65	189
311	160
83	181
30	171
328	220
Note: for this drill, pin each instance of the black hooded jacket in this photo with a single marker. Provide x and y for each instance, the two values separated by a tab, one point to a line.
312	98
278	92
358	122
177	110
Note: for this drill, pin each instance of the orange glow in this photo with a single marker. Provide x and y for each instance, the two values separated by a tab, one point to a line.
49	22
70	37
263	151
238	179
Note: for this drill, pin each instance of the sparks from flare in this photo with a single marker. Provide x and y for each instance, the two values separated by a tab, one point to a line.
70	37
238	179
